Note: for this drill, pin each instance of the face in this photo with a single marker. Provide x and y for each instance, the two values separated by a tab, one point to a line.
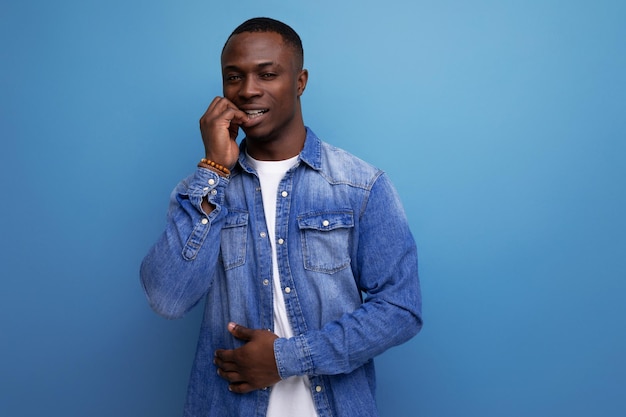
261	77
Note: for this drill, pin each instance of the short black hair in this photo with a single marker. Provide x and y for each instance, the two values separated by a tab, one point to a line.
266	24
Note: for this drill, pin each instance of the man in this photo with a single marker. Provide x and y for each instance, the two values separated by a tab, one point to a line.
301	251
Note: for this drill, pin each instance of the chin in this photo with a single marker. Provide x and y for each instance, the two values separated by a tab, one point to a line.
255	134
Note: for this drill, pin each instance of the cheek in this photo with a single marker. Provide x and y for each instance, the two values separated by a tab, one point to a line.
287	95
229	92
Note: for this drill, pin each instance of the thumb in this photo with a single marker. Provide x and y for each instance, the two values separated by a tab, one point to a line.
239	331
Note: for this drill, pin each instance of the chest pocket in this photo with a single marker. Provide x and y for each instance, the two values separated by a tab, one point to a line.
326	240
233	240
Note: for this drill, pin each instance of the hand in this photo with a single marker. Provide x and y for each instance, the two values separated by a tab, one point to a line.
252	366
219	126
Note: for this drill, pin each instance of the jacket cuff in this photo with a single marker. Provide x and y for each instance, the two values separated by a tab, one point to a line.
207	183
293	357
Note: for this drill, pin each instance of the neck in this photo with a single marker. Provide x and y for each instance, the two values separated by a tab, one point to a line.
284	147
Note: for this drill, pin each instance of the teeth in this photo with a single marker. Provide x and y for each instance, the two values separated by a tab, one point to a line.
255	113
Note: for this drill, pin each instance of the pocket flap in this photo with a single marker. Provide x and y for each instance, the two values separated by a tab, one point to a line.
328	220
235	219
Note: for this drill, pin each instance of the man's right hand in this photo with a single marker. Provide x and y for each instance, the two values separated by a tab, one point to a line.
219	127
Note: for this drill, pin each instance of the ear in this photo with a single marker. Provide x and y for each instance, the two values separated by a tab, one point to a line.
303	77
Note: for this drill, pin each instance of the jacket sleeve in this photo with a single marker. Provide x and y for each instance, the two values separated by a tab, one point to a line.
178	270
387	274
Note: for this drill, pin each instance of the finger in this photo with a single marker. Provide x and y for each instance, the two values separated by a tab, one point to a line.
214	104
231	377
224	105
224	109
235	115
241	388
233	129
223	356
239	331
225	366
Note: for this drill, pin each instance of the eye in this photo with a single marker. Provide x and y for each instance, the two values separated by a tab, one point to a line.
233	77
268	75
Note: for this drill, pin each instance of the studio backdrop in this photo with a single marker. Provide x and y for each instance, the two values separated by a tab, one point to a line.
501	123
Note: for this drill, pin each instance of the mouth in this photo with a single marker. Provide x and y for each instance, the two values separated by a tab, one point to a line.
252	114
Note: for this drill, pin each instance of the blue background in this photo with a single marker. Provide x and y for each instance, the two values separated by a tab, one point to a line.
502	124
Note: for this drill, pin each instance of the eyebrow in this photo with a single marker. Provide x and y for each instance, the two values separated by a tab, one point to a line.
260	65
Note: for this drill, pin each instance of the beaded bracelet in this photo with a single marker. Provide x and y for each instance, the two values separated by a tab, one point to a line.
207	163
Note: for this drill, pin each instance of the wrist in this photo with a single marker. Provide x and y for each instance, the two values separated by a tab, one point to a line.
219	169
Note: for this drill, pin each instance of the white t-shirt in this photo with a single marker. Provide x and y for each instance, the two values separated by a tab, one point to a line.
292	396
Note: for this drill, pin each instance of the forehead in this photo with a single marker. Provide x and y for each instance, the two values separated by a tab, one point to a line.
254	48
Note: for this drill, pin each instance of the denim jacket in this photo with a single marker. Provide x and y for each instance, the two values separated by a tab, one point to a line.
348	270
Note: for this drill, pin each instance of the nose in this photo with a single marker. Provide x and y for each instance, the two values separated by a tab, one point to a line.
250	88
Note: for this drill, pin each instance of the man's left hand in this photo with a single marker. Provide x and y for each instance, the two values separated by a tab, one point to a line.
252	366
